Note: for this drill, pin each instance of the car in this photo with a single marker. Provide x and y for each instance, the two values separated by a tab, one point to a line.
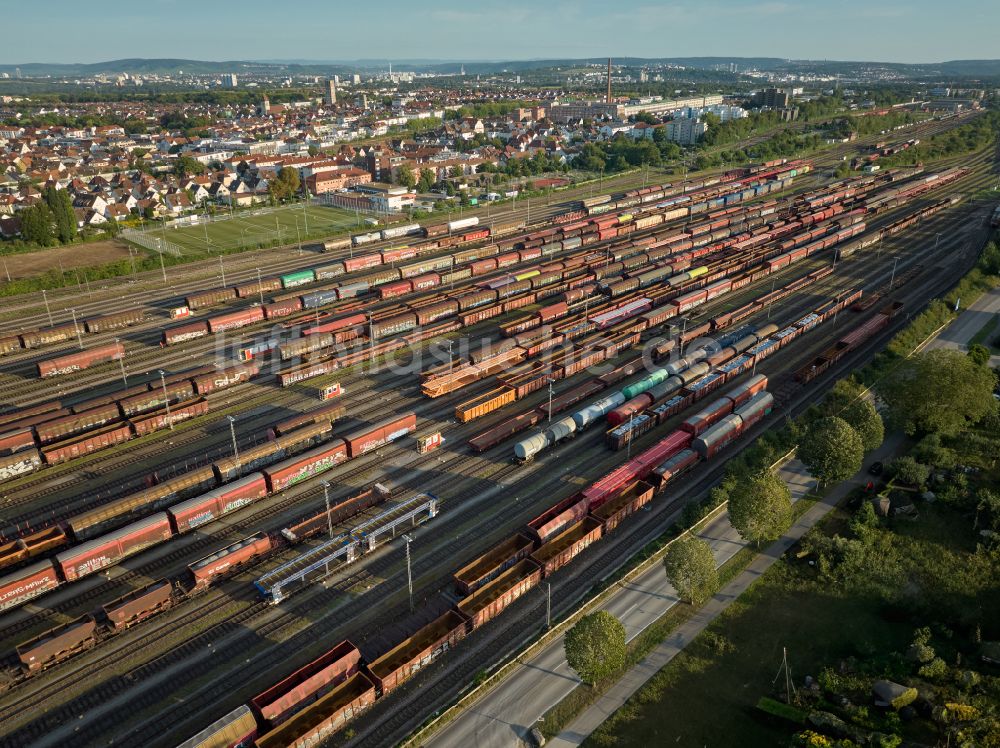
876	468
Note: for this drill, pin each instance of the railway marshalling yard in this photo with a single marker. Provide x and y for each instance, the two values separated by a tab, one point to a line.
169	676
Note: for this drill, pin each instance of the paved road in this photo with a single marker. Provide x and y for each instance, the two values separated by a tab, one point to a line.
504	715
957	335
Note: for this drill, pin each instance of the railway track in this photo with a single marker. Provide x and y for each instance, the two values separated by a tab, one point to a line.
243	266
479	425
447	551
465	465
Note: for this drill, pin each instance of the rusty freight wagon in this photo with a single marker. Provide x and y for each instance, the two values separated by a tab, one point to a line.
139	604
378	434
402	661
632	499
329	713
24	584
564	547
491	599
308	683
492	564
209	506
58	644
18	464
226	560
107	322
80	360
108	550
91	441
236	730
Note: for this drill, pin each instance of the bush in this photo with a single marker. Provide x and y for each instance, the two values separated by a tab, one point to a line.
909	471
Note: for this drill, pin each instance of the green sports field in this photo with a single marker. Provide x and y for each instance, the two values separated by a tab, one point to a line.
261	227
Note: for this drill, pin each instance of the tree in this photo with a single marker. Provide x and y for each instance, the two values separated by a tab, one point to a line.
36	225
761	509
284	185
595	646
930	451
847	400
61	205
455	172
405	177
909	471
427	180
867	423
940	390
831	449
690	568
185	166
988	503
313	150
979	354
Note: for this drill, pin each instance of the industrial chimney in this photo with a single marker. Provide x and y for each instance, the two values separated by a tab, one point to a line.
609	81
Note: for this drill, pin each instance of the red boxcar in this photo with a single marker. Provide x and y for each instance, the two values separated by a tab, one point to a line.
233	320
327	413
306	465
379	434
80	360
392	290
160	420
27	583
308	683
192	513
92	441
80	421
109	549
14	441
180	333
341	323
229	558
225	377
282	308
360	263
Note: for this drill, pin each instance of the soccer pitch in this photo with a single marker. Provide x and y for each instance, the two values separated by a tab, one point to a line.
260	227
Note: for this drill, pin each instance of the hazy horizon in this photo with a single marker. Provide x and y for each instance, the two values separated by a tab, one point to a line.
913	32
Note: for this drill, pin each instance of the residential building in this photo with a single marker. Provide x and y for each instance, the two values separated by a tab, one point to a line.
685	131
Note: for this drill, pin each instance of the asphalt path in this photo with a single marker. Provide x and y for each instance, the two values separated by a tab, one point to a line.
504	715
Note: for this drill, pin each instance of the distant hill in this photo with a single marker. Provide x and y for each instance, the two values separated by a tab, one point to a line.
962	68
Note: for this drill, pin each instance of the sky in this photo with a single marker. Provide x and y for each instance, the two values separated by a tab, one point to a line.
68	31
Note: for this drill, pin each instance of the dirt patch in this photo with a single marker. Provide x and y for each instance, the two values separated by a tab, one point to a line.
30	264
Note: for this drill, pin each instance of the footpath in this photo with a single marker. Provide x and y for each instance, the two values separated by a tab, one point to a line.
504	715
957	335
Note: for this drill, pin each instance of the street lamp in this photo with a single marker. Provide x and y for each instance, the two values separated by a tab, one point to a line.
121	363
409	573
550	401
892	278
166	400
76	327
223	269
48	311
232	432
326	500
